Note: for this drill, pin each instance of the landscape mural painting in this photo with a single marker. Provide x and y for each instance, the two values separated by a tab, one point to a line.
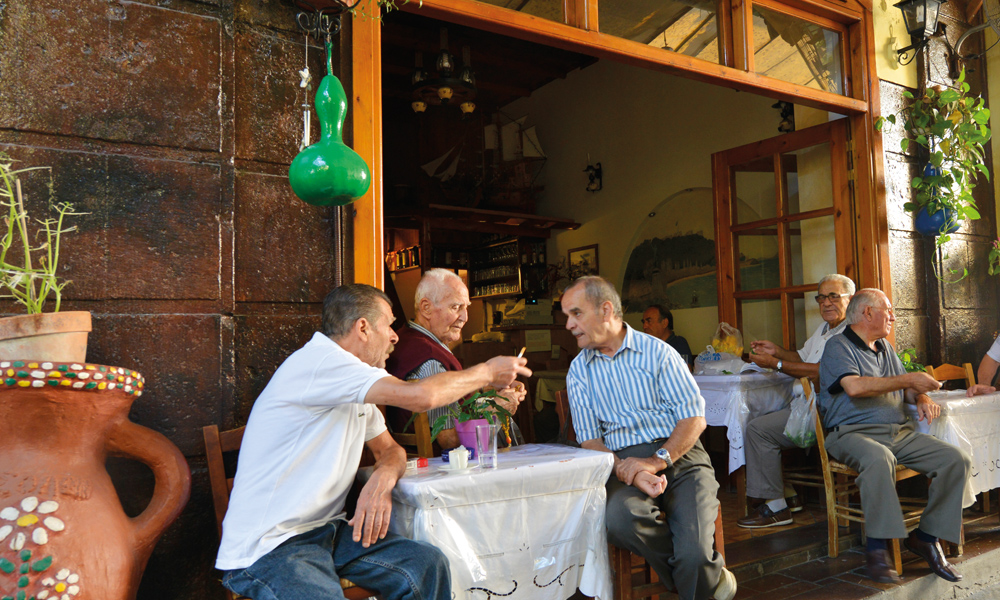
672	261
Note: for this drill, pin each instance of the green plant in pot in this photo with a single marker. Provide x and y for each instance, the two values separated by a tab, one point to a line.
29	262
481	407
951	127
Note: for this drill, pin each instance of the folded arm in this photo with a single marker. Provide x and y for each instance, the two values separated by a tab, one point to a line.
869	387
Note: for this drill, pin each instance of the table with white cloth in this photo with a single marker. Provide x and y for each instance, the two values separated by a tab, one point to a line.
972	424
732	401
531	528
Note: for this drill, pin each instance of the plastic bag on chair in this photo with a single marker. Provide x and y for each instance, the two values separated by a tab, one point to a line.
801	426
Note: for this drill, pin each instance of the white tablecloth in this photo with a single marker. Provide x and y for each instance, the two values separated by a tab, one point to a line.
972	424
533	528
733	400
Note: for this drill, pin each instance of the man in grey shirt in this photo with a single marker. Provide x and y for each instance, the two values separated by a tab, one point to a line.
862	389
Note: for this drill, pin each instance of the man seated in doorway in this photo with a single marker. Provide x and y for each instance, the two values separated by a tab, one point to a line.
632	395
863	386
285	535
441	304
659	323
770	501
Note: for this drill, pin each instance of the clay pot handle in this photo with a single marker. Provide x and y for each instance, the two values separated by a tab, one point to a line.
173	479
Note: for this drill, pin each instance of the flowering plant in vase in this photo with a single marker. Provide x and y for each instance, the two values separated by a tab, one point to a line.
480	405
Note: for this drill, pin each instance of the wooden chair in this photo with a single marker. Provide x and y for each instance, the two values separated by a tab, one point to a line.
948	372
217	444
627	566
840	485
417	443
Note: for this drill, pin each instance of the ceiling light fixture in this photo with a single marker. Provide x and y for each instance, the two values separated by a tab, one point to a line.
444	88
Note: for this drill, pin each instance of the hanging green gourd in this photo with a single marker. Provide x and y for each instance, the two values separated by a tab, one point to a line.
329	173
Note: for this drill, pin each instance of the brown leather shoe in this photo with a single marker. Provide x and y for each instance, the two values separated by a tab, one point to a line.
794	503
765	517
932	553
879	567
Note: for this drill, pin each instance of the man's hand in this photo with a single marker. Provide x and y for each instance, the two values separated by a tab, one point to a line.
514	395
505	369
652	485
371	518
763	347
764	360
980	389
626	469
927	409
922	382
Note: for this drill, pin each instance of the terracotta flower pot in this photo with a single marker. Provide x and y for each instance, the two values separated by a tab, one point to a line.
62	529
54	337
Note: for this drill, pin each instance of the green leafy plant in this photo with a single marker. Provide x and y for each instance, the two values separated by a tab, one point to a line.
951	126
27	271
481	405
908	357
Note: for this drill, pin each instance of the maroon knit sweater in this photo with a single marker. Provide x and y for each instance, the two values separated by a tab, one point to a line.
413	349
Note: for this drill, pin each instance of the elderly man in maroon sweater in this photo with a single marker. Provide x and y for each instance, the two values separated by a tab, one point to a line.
424	347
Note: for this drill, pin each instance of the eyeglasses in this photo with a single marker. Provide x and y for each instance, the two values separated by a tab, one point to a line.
830	297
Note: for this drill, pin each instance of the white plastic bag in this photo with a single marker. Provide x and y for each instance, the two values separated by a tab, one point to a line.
711	362
801	426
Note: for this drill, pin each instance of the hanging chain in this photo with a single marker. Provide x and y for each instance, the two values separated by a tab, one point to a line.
305	83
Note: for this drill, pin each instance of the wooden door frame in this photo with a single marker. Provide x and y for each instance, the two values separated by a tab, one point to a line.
871	235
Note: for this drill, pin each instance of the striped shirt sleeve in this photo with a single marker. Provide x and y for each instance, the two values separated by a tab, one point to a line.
585	421
432	367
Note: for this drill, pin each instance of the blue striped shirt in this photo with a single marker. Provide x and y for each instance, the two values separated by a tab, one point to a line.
634	397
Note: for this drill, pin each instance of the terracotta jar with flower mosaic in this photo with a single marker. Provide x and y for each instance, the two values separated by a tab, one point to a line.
63	534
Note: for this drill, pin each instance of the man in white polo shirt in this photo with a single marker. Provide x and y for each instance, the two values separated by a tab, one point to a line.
286	535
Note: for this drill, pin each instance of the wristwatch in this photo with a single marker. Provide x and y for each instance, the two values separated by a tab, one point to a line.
780	364
663	455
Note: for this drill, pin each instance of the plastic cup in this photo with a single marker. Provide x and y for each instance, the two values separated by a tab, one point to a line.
486	445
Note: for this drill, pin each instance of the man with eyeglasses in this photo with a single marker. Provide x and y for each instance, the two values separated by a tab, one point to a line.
863	386
772	502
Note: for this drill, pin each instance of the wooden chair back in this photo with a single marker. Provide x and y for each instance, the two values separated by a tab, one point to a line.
947	372
625	564
217	444
418	442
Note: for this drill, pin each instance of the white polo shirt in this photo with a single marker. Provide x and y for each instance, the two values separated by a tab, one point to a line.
300	451
994	352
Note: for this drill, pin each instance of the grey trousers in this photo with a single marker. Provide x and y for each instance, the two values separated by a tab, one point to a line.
675	531
873	450
764	440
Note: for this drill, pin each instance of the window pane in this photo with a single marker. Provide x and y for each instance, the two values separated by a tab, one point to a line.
802	332
757	250
814	250
755	194
545	9
796	51
808	180
762	321
688	27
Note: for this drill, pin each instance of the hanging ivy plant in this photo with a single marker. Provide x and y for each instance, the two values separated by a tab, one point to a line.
951	127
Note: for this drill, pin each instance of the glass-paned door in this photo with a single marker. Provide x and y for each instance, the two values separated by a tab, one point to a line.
782	210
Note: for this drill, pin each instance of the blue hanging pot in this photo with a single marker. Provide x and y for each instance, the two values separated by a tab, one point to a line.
931	224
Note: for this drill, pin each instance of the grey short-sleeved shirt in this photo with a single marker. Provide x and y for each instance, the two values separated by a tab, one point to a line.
845	355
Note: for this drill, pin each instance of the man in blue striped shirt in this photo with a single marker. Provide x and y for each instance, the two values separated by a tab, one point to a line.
632	395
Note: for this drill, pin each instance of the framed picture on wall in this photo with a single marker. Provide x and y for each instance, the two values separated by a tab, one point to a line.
583	261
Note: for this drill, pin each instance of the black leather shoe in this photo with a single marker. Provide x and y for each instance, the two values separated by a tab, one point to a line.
932	553
880	567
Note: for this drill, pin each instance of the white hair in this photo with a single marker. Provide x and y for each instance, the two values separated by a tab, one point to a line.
845	282
432	286
862	300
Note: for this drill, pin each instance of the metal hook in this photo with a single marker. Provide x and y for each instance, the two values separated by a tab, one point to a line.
320	24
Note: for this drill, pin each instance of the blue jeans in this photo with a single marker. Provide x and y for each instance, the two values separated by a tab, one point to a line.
310	565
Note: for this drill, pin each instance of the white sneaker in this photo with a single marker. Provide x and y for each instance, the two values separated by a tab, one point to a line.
727	585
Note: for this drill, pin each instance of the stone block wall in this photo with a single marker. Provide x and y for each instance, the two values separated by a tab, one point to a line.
171	124
945	322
